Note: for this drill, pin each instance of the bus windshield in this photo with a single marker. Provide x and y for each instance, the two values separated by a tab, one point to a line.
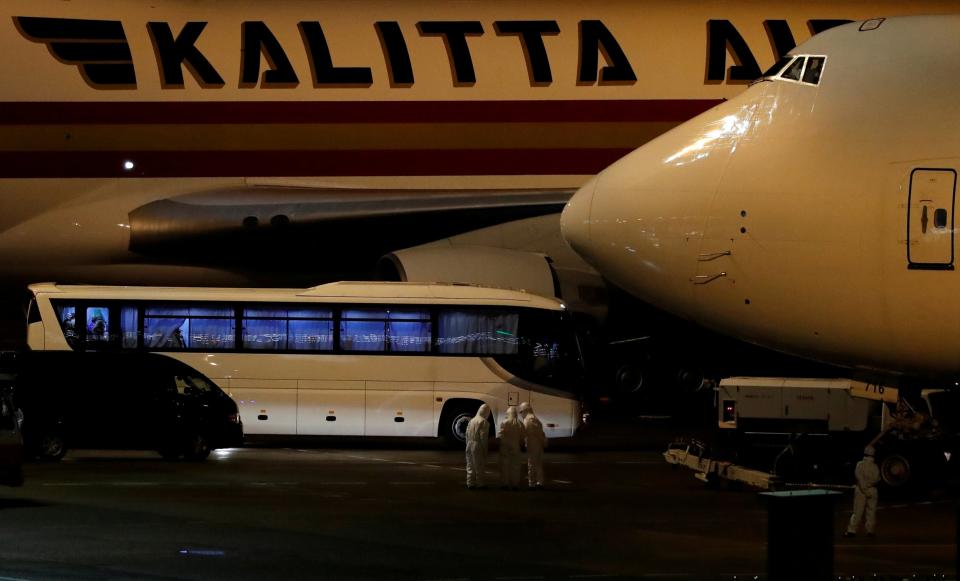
547	352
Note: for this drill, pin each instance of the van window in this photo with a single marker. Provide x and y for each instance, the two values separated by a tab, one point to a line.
192	385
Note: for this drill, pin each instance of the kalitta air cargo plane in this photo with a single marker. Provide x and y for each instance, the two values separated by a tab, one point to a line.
297	141
813	213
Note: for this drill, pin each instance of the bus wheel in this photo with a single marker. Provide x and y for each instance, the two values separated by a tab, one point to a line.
453	425
197	448
51	447
629	379
895	470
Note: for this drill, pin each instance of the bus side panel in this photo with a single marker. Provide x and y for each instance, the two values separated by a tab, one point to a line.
267	406
330	408
36	337
493	393
400	408
555	413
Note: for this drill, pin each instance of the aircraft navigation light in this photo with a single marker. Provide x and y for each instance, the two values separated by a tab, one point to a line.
128	165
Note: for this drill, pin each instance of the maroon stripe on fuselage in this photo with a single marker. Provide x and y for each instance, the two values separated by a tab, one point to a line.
255	112
100	164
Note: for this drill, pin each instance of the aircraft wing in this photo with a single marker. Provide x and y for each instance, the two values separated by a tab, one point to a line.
348	229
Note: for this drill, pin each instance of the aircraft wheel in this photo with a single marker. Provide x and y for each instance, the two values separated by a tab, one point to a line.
896	470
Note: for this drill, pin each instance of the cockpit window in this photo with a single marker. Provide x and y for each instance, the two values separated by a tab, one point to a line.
814	67
795	69
777	67
806	69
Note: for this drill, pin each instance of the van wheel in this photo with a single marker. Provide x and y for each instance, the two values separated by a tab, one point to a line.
51	447
197	448
453	425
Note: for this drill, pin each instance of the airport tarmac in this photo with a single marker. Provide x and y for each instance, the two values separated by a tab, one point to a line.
402	512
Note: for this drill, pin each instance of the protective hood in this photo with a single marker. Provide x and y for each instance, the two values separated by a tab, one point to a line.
511	414
524	409
484	411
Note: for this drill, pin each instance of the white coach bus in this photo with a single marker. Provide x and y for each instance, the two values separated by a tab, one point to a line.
346	358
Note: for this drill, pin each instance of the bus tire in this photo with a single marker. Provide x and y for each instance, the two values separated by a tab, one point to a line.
51	447
197	448
896	471
629	379
454	420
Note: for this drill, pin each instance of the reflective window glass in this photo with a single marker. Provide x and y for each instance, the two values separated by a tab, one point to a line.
278	328
814	70
306	335
940	218
165	332
199	328
777	66
128	327
167	310
265	334
477	332
408	336
67	315
311	313
211	334
98	324
362	335
354	314
794	70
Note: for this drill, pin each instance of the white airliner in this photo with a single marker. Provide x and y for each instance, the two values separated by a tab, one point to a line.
292	143
813	213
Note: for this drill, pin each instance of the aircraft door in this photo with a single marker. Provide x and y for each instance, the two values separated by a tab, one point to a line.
930	219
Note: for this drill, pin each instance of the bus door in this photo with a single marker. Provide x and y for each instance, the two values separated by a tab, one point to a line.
399	408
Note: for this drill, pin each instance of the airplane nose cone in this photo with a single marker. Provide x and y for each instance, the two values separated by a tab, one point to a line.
575	220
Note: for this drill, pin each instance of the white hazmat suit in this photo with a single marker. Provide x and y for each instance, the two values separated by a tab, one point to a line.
478	435
511	459
536	442
865	494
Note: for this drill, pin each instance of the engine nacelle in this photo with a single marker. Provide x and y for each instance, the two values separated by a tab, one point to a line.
497	267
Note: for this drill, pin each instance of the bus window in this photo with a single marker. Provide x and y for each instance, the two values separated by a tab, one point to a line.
98	325
265	329
408	331
393	330
128	327
67	315
548	353
195	328
362	330
279	329
478	332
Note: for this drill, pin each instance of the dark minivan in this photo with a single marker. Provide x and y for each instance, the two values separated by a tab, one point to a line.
122	400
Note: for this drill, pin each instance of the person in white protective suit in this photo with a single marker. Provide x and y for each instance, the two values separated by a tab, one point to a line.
478	435
865	494
511	459
536	441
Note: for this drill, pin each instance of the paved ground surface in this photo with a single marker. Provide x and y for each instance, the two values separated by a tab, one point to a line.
400	511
